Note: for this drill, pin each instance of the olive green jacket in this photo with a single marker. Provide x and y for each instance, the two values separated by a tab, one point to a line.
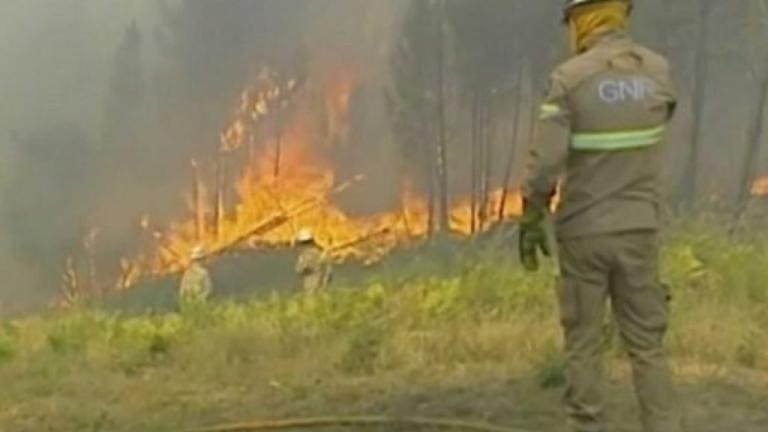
601	133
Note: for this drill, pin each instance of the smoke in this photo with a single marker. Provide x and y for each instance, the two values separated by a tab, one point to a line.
105	104
56	60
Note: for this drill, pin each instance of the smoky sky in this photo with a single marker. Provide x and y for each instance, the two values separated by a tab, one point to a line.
57	55
105	103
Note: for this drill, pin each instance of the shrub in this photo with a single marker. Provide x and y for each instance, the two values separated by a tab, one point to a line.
8	342
485	310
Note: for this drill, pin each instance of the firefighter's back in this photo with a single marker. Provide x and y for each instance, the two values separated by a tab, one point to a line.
620	99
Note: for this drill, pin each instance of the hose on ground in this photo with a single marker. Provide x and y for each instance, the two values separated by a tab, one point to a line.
319	422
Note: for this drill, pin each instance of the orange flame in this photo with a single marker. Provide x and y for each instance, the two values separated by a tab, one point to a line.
271	208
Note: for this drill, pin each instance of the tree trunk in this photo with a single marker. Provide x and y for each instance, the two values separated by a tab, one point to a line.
485	181
199	205
480	161
513	139
429	177
474	160
442	153
278	152
752	155
219	198
701	75
490	157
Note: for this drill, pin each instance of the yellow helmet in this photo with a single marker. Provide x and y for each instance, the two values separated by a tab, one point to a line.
198	253
570	5
305	235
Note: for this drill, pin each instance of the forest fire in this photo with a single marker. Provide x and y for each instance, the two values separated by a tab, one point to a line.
286	183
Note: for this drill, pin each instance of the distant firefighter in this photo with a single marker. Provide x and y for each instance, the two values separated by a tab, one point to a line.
312	266
196	285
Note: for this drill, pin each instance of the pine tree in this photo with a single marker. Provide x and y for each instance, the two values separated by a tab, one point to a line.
416	103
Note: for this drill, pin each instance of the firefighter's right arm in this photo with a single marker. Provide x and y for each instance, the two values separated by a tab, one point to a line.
550	147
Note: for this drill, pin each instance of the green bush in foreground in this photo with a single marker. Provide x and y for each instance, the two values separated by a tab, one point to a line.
8	343
490	313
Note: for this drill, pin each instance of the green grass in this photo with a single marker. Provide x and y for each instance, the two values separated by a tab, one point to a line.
351	349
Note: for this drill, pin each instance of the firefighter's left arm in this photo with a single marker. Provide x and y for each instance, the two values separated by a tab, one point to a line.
550	148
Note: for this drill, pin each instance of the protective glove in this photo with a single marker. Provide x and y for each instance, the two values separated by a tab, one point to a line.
533	236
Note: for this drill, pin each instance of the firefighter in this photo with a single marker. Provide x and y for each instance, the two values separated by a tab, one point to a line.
601	128
196	285
312	265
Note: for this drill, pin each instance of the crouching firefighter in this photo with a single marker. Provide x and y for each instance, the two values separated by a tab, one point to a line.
601	131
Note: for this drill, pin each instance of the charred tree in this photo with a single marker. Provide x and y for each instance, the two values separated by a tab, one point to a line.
278	153
431	195
701	77
416	106
474	169
197	191
487	156
486	49
442	148
480	154
754	135
491	155
219	209
513	139
756	129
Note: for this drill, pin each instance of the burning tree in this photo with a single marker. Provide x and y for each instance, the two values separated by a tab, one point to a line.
417	103
274	168
487	78
270	205
283	181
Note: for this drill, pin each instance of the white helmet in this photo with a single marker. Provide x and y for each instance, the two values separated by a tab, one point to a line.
198	252
305	236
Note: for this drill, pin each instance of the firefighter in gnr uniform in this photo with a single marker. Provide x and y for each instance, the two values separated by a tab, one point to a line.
312	265
601	132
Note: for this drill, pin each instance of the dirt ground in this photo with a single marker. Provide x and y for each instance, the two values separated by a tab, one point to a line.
712	405
164	400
